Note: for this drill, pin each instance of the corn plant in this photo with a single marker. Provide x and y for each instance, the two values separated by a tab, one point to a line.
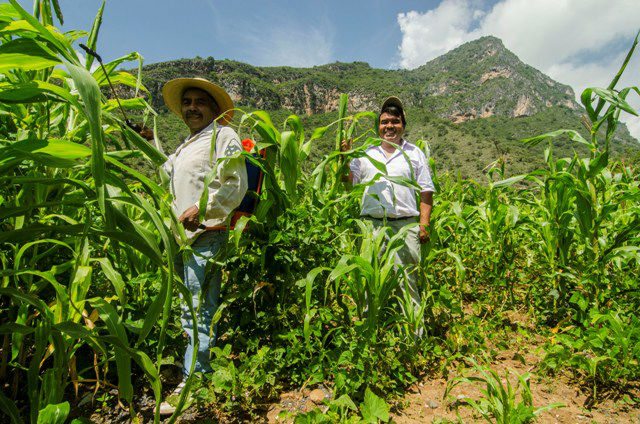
328	174
499	222
501	402
78	222
604	354
370	278
581	201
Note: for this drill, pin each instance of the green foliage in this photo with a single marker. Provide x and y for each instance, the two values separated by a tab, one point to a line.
311	295
54	414
373	409
501	402
68	204
604	353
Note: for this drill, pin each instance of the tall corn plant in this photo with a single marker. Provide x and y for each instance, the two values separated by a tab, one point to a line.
587	222
553	225
76	220
364	283
454	235
499	220
328	174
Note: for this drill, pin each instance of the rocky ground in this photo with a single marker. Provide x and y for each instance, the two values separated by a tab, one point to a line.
427	400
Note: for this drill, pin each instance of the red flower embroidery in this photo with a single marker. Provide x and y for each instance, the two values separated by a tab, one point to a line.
247	144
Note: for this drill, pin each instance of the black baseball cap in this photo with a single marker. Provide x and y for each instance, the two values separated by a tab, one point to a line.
394	101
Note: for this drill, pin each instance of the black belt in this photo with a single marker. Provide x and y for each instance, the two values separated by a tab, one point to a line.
389	218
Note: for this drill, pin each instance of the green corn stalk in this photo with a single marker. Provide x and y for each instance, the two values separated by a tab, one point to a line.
501	402
371	276
341	134
73	201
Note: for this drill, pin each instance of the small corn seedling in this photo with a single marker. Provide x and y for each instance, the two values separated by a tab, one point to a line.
501	401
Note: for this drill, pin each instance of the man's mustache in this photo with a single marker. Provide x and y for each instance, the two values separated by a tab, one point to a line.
190	114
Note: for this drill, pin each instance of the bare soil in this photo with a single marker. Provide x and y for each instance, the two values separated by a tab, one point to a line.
425	402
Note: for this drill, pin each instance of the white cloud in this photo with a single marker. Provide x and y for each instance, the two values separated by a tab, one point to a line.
547	31
570	40
633	123
431	34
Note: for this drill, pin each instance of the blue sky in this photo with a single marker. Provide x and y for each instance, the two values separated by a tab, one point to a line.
296	33
577	42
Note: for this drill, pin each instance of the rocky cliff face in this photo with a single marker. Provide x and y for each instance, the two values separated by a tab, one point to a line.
471	105
482	78
477	80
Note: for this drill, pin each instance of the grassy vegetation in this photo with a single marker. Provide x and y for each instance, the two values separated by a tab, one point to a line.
478	78
88	296
464	150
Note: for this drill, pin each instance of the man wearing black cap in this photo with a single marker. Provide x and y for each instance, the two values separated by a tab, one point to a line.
389	204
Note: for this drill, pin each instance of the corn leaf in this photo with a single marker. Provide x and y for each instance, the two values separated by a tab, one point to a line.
342	112
8	13
115	327
92	40
90	94
156	156
25	54
289	162
115	278
55	40
54	414
35	91
9	408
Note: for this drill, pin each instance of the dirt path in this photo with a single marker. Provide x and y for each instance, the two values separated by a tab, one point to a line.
424	402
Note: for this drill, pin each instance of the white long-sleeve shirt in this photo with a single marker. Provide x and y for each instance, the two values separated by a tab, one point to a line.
193	160
385	198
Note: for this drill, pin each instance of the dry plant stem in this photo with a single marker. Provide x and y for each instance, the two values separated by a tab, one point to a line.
4	358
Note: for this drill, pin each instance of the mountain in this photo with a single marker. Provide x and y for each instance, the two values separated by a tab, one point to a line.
471	104
482	79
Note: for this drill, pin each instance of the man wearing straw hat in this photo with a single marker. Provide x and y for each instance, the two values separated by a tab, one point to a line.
206	171
388	204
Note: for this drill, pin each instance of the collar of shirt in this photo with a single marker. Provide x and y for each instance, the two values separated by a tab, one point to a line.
404	146
190	139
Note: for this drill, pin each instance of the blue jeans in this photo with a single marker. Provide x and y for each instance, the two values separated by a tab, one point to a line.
205	291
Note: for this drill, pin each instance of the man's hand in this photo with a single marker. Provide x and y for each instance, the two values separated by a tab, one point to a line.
424	234
144	132
345	145
426	204
189	218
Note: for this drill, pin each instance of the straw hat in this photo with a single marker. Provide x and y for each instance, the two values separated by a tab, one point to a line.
173	90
